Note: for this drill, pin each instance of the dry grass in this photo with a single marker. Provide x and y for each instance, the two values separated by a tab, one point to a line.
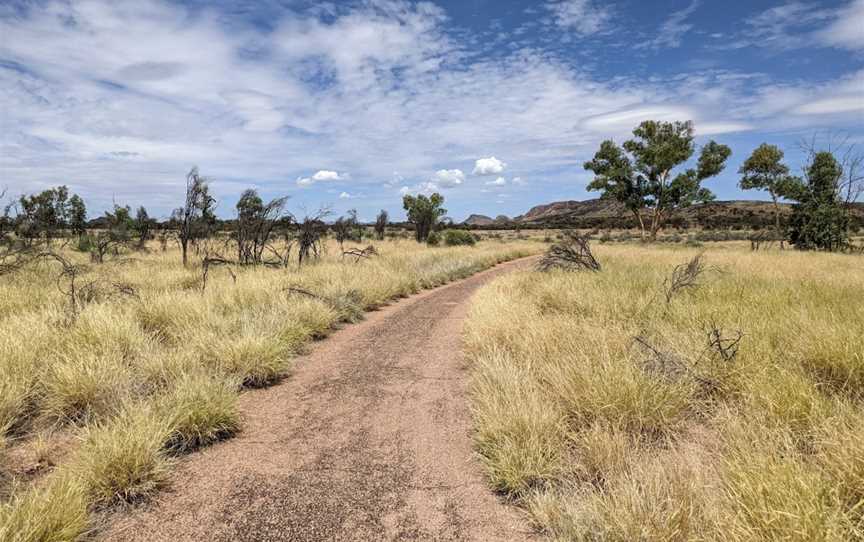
140	379
601	441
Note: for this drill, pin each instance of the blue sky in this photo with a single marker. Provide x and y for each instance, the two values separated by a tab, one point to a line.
494	103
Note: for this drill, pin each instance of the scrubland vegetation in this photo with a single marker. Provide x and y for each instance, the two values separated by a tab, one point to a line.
731	411
97	403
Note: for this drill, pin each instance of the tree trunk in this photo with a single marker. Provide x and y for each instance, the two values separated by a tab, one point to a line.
655	223
641	224
183	246
777	222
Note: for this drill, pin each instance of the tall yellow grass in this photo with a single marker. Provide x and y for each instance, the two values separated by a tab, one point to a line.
139	380
597	444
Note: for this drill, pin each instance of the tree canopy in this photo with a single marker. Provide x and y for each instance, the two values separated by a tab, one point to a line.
640	175
424	212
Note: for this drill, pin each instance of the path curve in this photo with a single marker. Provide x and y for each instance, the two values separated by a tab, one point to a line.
368	439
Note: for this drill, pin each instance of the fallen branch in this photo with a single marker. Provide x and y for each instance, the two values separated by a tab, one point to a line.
572	254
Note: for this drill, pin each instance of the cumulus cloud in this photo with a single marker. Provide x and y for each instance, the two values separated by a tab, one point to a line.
500	181
345	195
448	178
488	166
322	176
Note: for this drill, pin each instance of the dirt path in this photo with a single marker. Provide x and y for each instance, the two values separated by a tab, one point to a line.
369	439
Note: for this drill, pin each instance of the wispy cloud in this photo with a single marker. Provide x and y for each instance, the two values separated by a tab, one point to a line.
673	29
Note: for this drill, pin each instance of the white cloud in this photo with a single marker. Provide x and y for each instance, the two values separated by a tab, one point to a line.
829	106
488	166
847	29
673	29
500	181
584	17
426	188
799	24
448	178
345	195
87	88
519	181
322	176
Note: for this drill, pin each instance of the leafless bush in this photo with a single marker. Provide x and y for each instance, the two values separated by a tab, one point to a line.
348	306
685	276
572	254
310	232
673	367
359	254
256	221
215	261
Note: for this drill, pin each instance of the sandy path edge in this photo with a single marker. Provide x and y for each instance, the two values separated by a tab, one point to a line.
369	438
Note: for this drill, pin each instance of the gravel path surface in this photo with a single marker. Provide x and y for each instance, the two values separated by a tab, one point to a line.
368	439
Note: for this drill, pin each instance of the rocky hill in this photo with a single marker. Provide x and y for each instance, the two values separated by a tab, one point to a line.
483	220
600	213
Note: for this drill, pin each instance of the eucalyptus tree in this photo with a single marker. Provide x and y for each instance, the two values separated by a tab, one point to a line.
765	170
424	212
641	174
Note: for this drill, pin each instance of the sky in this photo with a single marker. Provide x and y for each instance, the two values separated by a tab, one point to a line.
494	103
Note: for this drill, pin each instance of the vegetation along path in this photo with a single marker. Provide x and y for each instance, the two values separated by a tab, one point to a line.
369	439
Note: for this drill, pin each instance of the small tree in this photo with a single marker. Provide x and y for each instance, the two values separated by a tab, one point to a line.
819	220
118	228
347	228
765	170
424	212
143	226
195	218
43	214
381	224
77	215
255	223
640	175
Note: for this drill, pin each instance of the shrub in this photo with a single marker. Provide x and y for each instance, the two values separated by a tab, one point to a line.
454	238
123	460
434	239
201	409
81	385
56	512
85	243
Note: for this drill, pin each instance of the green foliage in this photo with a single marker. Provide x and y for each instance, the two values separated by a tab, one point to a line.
424	212
143	225
77	215
459	237
765	170
433	239
45	213
640	174
85	243
819	221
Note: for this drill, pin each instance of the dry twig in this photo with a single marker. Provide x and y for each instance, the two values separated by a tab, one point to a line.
572	254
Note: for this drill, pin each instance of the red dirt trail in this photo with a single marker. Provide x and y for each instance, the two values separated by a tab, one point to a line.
368	439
